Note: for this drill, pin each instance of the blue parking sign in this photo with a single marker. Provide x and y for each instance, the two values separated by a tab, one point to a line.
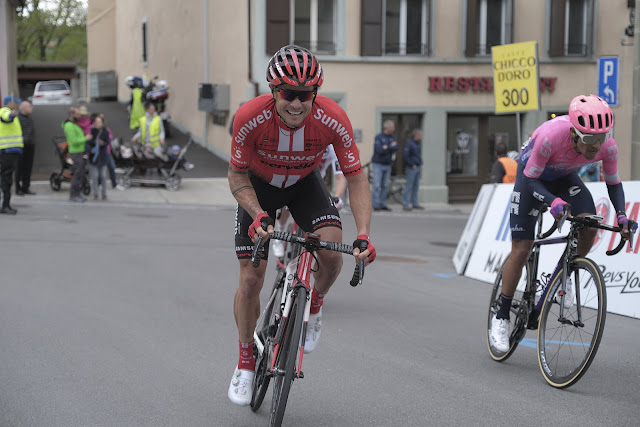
608	68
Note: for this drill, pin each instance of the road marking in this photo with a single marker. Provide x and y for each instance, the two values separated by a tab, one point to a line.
533	343
444	275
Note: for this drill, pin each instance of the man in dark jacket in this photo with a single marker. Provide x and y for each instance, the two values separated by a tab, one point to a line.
25	162
412	171
384	146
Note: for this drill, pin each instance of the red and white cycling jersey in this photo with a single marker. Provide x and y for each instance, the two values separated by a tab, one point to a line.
282	156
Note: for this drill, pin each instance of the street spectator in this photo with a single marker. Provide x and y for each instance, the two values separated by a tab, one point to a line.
591	172
98	156
174	153
136	108
10	148
25	162
151	134
384	146
77	141
504	169
412	171
111	164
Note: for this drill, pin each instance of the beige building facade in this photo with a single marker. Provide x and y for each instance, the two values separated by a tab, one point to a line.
422	63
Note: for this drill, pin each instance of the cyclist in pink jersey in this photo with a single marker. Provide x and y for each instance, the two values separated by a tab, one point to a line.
547	173
278	141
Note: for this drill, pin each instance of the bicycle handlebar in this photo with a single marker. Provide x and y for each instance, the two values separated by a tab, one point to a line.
593	221
311	246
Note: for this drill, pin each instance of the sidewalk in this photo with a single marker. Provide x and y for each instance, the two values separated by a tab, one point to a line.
193	191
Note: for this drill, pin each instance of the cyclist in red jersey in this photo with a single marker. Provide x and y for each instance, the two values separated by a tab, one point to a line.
278	141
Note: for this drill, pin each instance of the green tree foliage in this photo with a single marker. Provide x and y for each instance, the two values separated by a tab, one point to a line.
53	30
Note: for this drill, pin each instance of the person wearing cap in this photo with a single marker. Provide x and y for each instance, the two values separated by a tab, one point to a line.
11	144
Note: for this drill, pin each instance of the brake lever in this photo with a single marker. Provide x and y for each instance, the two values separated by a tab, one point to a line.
561	221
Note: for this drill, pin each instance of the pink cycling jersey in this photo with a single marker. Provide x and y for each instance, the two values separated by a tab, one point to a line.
549	154
282	156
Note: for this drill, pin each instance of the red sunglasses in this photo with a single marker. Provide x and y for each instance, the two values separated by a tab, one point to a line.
289	95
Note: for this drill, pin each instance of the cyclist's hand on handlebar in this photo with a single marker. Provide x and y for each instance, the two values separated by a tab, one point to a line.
557	208
261	226
623	222
369	254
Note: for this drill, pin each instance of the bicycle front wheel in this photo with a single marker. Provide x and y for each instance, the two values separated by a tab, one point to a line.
517	317
266	328
567	345
286	360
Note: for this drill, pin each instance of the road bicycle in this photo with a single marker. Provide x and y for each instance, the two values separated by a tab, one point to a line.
396	183
569	331
281	329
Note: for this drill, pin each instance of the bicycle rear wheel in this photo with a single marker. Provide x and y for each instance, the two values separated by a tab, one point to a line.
266	328
518	316
287	356
566	347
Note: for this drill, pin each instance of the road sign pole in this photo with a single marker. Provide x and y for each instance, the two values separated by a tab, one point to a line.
635	130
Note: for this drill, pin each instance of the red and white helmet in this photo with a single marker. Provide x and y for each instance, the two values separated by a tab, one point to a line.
295	66
590	114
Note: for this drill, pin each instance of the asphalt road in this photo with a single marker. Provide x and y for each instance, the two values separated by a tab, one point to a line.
48	124
121	314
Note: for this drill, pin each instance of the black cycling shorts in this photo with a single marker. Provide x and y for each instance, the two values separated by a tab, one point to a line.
524	207
309	202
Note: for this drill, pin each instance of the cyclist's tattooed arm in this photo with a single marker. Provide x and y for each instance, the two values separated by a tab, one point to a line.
243	191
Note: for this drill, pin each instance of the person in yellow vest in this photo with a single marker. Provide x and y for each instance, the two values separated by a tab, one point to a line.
11	144
137	108
505	168
151	134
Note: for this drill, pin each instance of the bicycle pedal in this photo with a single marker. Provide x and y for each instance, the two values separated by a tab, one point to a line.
301	375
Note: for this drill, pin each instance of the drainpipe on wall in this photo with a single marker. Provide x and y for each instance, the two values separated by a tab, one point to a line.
205	134
256	89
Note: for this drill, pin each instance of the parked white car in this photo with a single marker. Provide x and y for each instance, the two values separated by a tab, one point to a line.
52	92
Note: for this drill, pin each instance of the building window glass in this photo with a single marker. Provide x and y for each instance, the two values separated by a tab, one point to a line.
405	27
144	41
314	25
571	28
489	23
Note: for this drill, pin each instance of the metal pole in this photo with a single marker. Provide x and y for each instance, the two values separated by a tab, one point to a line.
518	132
635	130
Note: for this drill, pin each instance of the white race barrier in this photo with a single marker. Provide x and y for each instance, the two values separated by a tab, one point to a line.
621	272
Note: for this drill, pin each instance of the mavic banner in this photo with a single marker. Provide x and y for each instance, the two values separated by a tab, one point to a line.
621	272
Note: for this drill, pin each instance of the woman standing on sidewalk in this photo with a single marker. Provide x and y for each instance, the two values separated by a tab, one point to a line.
98	156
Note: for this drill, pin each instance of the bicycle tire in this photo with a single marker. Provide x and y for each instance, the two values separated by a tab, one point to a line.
287	359
266	329
518	317
562	360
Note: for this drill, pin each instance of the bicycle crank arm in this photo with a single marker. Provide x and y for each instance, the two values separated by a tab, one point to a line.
566	321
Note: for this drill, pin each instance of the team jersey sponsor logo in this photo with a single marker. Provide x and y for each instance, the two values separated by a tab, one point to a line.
333	124
612	153
538	196
574	190
251	124
535	171
325	218
545	148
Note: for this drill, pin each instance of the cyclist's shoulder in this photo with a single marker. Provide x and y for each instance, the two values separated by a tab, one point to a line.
325	109
257	110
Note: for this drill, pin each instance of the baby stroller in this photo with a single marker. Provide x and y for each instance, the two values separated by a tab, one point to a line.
134	167
56	179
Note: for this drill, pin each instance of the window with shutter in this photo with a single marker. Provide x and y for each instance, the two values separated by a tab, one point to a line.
371	28
571	28
277	25
489	23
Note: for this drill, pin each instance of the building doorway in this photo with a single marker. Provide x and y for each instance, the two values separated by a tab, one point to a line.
471	143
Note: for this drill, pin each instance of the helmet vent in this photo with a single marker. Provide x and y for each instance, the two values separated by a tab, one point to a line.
591	122
599	121
581	121
606	120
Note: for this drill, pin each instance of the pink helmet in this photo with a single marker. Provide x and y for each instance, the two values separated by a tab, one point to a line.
590	114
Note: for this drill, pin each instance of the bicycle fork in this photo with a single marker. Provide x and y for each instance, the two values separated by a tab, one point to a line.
294	280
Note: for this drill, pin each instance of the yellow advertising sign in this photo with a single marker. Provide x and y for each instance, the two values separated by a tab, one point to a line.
515	77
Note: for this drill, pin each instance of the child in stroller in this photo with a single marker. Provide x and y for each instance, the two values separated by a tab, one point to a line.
133	166
57	178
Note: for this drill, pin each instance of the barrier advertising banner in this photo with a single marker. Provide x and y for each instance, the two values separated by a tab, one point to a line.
621	272
471	230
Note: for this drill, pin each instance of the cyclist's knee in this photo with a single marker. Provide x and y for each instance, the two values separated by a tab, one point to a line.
330	262
251	279
520	250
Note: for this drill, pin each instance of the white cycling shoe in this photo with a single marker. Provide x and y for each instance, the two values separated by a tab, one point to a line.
241	387
499	334
569	295
314	328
